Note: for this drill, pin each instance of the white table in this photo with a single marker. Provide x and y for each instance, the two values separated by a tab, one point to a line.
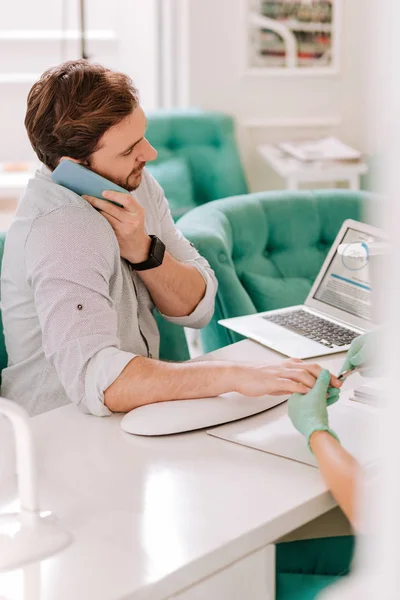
295	171
185	517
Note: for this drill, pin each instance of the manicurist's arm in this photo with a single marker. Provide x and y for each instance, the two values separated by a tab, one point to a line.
309	415
338	468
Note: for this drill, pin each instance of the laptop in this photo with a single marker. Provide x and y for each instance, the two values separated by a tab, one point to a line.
338	307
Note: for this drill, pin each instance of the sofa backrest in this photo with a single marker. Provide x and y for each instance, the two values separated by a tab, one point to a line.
198	160
266	249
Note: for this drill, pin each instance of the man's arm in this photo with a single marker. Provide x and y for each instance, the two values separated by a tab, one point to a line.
71	254
186	282
339	470
183	288
175	287
145	381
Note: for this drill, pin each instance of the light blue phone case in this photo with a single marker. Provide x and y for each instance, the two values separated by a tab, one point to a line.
82	181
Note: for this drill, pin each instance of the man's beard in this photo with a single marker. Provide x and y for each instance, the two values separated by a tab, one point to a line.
133	180
130	184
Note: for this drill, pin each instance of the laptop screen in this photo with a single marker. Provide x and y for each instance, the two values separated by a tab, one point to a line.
346	284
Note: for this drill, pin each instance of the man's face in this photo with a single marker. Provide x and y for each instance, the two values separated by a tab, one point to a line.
124	151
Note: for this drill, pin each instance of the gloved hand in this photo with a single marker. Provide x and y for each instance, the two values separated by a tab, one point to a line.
333	396
308	412
361	352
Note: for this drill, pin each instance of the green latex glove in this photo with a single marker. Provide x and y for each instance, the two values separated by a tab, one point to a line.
308	412
333	396
361	352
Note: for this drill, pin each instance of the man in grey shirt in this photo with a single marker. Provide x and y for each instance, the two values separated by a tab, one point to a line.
78	290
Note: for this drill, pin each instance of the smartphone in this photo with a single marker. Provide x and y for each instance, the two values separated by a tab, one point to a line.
83	181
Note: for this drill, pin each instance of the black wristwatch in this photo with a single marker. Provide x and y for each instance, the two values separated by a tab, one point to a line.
156	256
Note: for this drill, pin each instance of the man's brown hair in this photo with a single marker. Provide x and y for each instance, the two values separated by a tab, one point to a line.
72	106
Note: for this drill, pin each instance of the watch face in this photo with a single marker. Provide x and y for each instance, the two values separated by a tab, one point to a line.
158	250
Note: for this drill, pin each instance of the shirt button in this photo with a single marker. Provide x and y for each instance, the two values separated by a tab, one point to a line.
79	307
222	257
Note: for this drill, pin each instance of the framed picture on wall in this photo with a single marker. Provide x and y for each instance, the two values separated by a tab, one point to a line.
292	37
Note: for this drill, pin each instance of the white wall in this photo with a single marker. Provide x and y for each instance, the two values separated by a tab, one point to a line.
217	81
215	77
131	25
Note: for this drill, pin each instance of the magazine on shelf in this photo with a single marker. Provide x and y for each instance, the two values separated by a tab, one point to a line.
327	148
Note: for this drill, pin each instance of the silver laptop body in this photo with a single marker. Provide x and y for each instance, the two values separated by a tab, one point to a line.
338	307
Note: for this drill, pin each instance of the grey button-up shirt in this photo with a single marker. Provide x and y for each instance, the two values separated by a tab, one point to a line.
74	312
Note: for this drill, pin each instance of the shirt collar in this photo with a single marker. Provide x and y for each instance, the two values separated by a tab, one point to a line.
43	172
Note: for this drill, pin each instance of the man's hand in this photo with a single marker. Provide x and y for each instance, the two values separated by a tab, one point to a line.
287	377
177	286
127	222
308	412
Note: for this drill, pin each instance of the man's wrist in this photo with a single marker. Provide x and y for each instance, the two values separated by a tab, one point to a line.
142	250
239	374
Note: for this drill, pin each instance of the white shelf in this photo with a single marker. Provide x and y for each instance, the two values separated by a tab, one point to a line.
308	26
316	71
26	35
287	166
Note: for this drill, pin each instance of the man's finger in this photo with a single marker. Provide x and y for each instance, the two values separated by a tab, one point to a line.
313	368
335	382
106	207
115	223
288	386
316	370
126	200
299	375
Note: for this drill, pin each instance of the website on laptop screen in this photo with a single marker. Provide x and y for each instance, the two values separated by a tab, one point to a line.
346	284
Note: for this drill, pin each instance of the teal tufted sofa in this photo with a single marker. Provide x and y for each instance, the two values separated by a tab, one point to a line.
266	249
198	160
306	567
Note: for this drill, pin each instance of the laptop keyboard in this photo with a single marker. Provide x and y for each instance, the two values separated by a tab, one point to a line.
314	328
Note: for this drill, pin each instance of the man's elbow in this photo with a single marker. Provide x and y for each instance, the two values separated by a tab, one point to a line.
115	398
204	320
112	400
206	305
124	394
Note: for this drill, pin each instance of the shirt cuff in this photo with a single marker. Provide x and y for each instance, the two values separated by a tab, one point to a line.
203	312
103	369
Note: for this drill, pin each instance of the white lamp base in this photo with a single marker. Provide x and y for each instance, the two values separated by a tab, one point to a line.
27	537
